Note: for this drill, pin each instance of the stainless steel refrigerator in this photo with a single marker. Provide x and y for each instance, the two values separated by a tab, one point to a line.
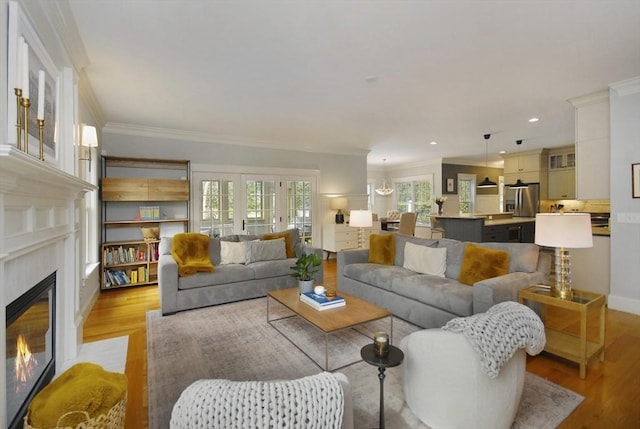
523	202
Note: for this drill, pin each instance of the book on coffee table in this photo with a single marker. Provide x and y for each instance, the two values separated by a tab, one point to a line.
320	302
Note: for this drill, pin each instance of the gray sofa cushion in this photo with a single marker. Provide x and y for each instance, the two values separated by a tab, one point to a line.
268	269
222	274
455	252
523	257
440	292
375	274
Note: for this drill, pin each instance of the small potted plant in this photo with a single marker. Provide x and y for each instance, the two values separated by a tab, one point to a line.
304	269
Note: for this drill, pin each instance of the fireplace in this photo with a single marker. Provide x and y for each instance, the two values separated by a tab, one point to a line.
30	347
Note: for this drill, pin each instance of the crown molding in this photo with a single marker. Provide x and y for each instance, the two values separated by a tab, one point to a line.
594	97
627	87
195	136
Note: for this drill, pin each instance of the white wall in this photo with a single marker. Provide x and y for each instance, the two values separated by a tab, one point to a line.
625	235
340	174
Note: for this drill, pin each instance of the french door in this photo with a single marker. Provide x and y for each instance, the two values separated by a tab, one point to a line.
253	204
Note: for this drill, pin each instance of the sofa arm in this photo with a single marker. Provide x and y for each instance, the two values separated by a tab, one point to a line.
168	284
301	248
487	293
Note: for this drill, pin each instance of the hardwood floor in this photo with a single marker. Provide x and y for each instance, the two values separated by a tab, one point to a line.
611	388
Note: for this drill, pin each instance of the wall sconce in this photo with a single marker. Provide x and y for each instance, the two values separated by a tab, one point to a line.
88	139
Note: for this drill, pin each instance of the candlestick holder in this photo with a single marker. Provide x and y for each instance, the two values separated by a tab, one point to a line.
41	136
18	92
25	105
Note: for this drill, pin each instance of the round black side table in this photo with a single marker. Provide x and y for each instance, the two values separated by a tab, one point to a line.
394	358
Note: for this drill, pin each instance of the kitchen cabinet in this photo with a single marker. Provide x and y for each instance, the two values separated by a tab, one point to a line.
562	184
592	146
529	167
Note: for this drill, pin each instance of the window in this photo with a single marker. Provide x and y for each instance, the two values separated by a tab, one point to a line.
466	192
235	203
370	193
415	195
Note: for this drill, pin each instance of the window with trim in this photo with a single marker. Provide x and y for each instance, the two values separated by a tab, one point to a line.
216	213
466	192
415	195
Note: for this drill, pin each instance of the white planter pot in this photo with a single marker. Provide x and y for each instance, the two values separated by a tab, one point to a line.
305	286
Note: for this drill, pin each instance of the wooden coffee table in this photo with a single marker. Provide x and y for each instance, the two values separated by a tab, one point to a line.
355	312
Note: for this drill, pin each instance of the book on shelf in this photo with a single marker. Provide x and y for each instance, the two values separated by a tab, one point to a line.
320	302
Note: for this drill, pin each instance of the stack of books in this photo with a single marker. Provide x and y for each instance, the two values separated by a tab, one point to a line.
321	302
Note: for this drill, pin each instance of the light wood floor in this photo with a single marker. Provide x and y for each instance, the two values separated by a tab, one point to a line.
611	388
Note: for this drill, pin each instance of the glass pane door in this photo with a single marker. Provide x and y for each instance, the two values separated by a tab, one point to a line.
216	207
299	208
260	206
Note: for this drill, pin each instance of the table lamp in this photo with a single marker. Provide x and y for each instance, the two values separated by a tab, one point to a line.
361	219
339	204
563	231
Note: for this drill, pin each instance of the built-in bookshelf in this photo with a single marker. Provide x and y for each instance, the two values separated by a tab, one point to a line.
139	193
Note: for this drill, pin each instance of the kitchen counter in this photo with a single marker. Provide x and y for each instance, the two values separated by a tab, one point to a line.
482	227
603	231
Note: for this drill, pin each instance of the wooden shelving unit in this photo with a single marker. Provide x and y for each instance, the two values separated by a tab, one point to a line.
128	185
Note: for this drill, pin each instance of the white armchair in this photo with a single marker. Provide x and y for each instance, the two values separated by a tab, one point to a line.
446	384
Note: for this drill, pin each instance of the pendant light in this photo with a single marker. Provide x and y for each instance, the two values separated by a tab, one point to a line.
519	183
486	183
384	190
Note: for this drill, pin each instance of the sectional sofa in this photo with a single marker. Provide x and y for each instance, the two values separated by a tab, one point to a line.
428	300
250	275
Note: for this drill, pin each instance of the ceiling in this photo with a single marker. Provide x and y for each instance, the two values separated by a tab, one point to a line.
383	77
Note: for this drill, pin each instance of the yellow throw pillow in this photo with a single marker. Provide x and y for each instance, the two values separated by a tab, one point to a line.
480	263
382	249
287	242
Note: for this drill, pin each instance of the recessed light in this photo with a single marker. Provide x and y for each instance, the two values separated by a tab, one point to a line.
433	143
503	151
534	119
371	78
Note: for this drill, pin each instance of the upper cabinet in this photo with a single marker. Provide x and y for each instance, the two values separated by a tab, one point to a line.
592	130
562	173
529	167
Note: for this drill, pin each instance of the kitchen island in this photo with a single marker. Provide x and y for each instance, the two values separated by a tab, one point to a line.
484	227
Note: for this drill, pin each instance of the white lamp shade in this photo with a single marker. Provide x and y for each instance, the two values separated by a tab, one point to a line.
338	203
569	230
89	136
361	218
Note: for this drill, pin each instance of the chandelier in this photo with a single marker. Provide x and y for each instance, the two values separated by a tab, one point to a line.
385	189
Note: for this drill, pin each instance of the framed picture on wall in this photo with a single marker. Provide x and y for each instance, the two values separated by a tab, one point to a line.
450	187
635	180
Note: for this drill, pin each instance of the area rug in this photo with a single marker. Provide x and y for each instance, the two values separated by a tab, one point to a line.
234	341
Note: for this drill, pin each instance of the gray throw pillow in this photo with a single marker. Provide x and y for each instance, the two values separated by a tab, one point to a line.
266	250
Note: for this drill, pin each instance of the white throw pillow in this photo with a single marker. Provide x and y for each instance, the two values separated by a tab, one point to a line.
266	250
232	252
425	260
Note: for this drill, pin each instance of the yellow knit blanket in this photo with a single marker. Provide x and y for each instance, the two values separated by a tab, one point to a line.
191	252
83	387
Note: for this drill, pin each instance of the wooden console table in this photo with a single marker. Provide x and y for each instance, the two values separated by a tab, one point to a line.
576	348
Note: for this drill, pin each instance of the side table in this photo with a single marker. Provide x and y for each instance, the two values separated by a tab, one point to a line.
394	358
578	348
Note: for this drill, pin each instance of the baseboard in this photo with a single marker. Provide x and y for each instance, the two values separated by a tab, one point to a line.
621	303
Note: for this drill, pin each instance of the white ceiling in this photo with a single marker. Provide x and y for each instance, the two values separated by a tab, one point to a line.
294	74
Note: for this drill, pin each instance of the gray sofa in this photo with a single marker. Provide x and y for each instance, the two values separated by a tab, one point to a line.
431	301
228	282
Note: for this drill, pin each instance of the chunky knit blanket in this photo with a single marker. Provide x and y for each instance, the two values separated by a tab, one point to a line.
314	402
498	333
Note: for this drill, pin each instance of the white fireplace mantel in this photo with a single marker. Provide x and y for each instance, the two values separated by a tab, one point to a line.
41	229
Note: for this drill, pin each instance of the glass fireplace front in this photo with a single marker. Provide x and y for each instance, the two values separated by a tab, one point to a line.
30	357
